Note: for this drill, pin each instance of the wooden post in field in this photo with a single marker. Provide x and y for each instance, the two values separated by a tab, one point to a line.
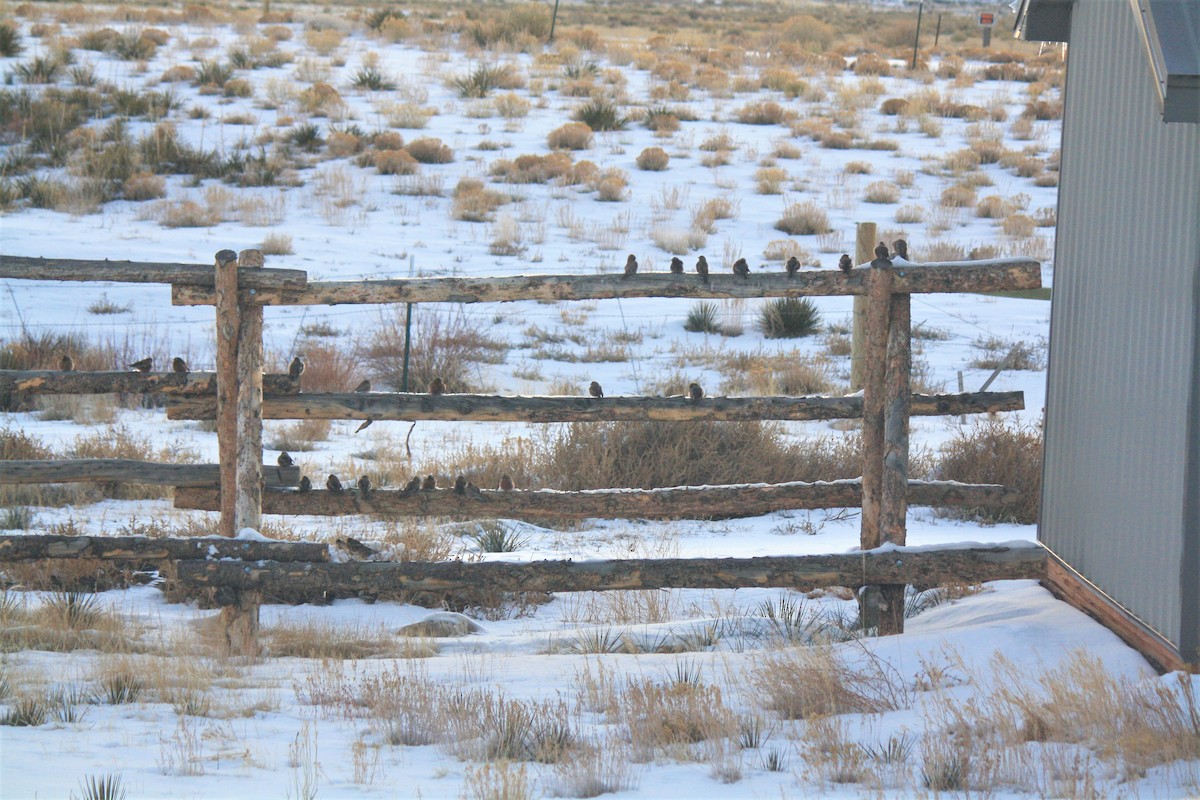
879	292
227	342
248	508
864	251
893	505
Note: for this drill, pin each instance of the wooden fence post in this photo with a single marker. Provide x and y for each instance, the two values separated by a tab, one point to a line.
864	251
893	507
248	509
227	341
879	291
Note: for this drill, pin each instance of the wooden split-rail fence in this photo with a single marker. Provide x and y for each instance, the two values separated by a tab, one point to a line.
239	396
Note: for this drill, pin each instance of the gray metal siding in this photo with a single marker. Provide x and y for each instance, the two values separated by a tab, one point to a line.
1122	330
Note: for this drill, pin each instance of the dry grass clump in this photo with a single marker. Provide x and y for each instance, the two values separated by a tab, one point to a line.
475	203
445	346
996	452
763	112
665	718
782	249
329	368
394	162
957	196
803	218
882	192
430	150
63	622
809	682
300	436
571	136
770	180
532	168
316	639
653	159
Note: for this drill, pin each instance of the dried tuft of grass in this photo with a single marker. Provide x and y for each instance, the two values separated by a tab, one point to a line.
993	451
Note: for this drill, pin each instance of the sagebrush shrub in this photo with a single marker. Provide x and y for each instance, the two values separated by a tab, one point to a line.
572	136
994	451
653	159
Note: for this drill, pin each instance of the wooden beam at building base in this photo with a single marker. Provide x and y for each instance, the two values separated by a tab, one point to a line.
290	582
123	470
682	502
139	549
1072	588
496	408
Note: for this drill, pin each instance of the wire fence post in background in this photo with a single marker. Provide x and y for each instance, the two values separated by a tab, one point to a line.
917	38
553	19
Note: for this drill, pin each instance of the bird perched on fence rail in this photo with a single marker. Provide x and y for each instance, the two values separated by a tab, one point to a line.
845	263
355	548
412	487
740	267
365	386
506	483
881	257
460	484
631	265
285	459
900	249
66	363
676	265
695	392
437	386
142	366
429	484
305	485
179	365
364	485
333	484
595	391
296	368
472	491
792	266
702	268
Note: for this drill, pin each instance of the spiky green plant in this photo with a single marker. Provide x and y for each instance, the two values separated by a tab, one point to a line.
789	317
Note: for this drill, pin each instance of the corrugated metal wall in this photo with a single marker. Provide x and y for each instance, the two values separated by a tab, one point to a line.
1121	336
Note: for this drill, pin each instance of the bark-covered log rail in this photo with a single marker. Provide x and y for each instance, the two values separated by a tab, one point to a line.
959	276
141	548
123	470
681	502
490	408
281	581
175	384
199	275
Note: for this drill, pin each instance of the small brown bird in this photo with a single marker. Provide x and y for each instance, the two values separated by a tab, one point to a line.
305	485
285	460
142	366
506	484
412	487
881	250
354	547
740	267
333	484
702	268
296	368
630	265
364	485
695	392
792	266
845	263
437	386
66	364
429	484
460	485
366	424
594	390
365	386
676	265
472	491
179	365
900	249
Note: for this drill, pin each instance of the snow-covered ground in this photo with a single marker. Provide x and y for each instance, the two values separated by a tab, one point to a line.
261	731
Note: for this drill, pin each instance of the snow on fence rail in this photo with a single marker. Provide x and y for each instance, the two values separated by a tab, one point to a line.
239	287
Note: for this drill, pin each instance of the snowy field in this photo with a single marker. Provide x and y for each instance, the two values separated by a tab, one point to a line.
997	691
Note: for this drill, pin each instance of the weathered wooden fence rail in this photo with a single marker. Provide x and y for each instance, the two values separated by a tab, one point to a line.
199	275
957	276
141	549
124	470
680	502
494	408
182	384
921	567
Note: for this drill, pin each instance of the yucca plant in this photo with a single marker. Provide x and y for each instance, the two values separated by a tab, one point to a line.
105	787
75	610
600	115
702	318
10	40
27	712
789	317
482	80
373	79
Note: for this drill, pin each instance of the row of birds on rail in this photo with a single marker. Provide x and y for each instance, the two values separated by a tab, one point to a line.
883	258
333	483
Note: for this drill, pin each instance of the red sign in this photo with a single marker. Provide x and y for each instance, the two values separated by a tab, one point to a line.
987	19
